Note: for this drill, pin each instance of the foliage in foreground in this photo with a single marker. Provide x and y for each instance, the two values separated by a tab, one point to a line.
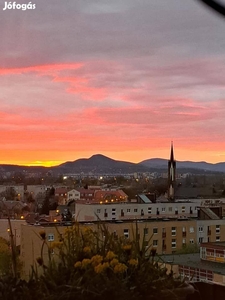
95	265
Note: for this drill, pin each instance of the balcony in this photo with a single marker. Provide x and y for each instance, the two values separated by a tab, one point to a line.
105	215
184	234
209	232
163	234
163	247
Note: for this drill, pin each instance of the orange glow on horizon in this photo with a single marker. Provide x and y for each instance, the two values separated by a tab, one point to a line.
130	156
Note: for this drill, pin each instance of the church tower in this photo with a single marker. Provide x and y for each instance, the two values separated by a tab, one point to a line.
171	175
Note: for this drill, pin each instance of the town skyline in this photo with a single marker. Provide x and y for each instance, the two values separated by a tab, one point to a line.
118	78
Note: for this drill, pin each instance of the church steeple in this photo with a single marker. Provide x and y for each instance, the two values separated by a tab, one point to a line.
171	175
171	152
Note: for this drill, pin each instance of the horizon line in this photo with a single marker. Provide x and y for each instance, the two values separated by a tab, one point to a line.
50	164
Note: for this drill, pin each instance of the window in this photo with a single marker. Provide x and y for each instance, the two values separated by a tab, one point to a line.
174	243
218	239
98	211
113	209
128	210
191	241
170	209
145	231
155	230
217	228
135	210
149	210
146	244
155	243
126	233
163	209
184	242
51	237
173	231
200	229
183	209
200	240
192	230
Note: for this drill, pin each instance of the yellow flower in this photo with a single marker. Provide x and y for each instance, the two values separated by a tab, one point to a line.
101	267
87	249
120	268
127	247
42	234
133	262
110	255
85	262
56	245
97	259
77	264
114	262
87	230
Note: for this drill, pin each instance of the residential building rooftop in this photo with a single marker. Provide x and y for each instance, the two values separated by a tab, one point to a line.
194	261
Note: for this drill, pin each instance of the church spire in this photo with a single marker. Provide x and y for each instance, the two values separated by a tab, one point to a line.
171	175
171	153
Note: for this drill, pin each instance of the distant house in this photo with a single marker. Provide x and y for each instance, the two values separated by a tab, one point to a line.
86	194
110	196
61	195
183	192
73	195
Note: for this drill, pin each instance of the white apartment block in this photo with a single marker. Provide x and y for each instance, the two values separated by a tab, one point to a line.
34	190
19	190
132	211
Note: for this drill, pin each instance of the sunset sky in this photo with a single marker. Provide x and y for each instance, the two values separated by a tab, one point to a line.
122	78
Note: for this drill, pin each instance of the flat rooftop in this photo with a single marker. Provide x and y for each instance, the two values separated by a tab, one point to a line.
193	260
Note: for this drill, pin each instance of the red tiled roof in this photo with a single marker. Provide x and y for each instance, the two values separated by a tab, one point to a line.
60	190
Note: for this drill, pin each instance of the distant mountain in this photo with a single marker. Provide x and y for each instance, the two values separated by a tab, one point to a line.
100	164
159	163
16	168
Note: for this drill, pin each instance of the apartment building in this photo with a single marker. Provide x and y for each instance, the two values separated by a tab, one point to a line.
34	190
165	237
16	229
206	266
210	230
16	192
131	211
